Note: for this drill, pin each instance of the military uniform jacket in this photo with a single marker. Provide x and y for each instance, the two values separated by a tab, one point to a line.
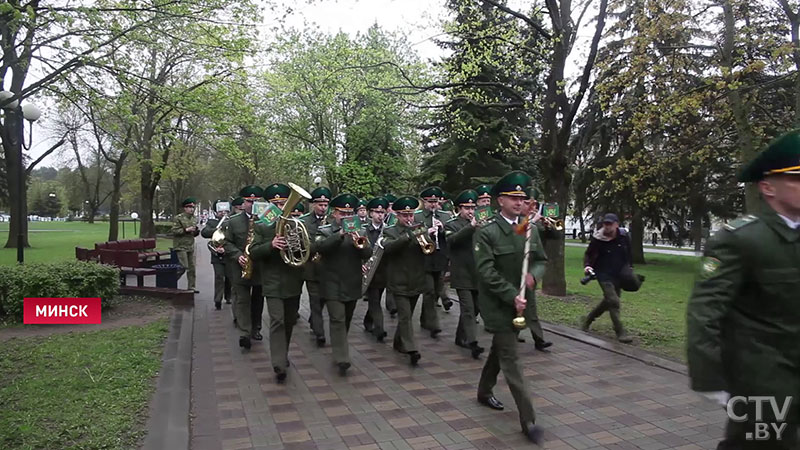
498	261
339	271
404	262
743	318
436	261
312	223
182	240
235	240
459	232
379	279
208	231
278	279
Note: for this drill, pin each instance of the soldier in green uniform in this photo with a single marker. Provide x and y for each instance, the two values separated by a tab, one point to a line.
390	219
463	278
373	319
499	248
743	317
184	231
361	212
246	292
282	284
436	263
222	286
484	192
531	314
407	279
236	204
342	256
298	210
320	197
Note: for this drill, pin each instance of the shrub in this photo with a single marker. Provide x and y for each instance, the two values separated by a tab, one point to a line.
163	228
61	279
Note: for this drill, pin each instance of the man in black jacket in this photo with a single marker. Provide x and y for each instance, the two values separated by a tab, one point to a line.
608	254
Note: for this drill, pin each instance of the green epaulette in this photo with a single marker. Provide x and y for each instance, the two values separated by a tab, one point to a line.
234	215
305	215
739	222
452	219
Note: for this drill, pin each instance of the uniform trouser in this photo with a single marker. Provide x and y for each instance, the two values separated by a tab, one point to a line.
256	307
429	318
466	332
610	303
391	306
532	320
373	319
340	314
186	258
736	432
404	334
503	356
243	304
222	286
315	304
283	313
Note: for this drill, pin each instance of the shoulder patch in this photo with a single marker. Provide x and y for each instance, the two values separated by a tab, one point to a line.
740	222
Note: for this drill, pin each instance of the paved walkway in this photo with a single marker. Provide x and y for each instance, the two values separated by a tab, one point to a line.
585	397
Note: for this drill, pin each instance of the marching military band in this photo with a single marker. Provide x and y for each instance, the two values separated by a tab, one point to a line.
402	247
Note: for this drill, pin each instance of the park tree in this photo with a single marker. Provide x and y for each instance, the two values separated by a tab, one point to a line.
51	39
491	93
336	102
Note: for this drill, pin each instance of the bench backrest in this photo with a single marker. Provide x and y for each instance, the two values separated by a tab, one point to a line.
108	256
127	258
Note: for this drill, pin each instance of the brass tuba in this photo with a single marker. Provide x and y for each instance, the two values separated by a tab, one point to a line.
218	238
298	243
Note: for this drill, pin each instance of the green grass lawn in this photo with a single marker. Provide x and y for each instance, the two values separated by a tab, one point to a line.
56	241
655	315
81	390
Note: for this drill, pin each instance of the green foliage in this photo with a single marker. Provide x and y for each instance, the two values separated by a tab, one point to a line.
61	279
336	102
79	390
491	99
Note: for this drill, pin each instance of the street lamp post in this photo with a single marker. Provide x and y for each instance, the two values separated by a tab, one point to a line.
158	211
19	113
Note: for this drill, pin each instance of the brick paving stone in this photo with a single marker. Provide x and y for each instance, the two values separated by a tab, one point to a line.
585	397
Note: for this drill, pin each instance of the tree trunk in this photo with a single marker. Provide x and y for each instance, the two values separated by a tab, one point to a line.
15	169
746	138
113	213
148	226
92	212
697	228
637	236
554	282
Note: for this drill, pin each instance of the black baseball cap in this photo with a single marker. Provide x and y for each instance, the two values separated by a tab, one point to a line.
610	217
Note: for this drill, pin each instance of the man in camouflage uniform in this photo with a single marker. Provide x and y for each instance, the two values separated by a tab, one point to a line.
184	231
222	286
282	284
463	278
499	251
340	274
435	263
743	317
406	273
320	197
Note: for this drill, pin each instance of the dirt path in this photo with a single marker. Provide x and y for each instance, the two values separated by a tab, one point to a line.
126	311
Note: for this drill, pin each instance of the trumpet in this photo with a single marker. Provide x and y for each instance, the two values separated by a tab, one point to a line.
218	238
555	224
424	241
359	241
